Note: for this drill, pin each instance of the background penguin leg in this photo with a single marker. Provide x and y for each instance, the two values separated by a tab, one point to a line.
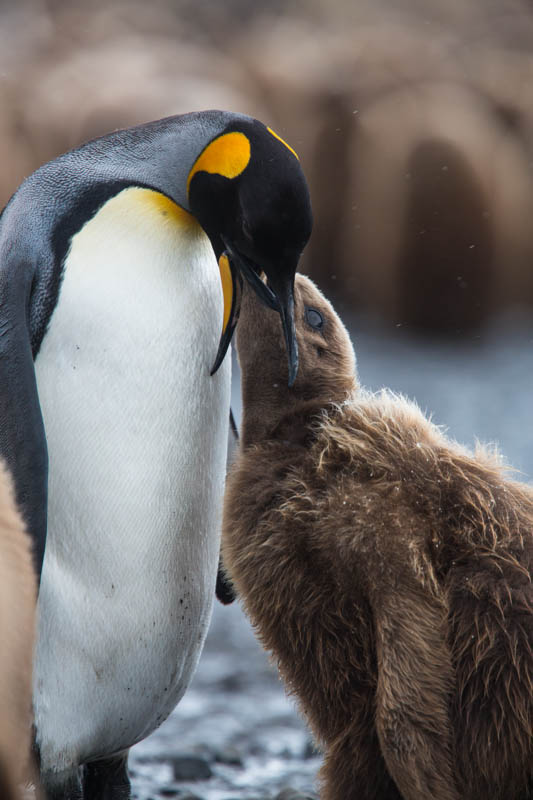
107	779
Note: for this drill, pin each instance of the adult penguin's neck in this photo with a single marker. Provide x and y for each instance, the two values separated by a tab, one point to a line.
157	155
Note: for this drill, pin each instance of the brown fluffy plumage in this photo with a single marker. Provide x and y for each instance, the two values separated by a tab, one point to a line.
387	569
17	620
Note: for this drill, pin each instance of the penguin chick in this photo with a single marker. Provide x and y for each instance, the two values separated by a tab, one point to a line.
17	621
386	568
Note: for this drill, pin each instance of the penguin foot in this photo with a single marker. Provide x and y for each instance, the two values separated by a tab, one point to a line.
63	785
107	779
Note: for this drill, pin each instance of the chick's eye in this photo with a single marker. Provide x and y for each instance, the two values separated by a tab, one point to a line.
314	318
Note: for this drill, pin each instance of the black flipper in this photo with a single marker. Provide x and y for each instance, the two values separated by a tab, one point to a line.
22	436
225	592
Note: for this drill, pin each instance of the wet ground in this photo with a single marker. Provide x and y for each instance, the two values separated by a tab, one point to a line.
235	719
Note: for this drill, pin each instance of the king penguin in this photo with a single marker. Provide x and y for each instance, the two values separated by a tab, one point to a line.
121	265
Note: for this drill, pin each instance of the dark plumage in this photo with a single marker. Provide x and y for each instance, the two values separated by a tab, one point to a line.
386	568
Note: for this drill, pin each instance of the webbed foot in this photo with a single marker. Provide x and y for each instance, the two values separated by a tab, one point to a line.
107	779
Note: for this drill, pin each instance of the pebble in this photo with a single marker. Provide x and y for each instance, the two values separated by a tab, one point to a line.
229	756
189	796
311	750
240	733
190	768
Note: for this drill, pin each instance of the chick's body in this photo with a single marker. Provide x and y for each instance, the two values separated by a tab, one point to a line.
389	572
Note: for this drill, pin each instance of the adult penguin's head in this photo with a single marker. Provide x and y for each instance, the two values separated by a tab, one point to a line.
248	192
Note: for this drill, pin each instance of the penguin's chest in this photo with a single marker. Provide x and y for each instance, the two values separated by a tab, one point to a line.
136	431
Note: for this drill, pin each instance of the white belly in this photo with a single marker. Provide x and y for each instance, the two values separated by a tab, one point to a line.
136	431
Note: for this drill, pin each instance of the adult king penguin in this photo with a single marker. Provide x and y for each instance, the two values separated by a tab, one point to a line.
112	358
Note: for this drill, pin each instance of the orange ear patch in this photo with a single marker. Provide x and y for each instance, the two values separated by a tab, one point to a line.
283	142
228	156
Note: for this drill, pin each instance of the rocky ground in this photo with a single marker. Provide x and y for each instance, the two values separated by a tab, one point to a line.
235	736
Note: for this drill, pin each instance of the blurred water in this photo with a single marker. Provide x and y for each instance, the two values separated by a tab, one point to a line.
480	387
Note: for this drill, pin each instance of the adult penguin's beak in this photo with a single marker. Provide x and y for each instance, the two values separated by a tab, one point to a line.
232	292
282	287
277	294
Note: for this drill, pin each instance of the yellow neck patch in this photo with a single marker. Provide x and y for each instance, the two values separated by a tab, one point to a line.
166	207
227	288
283	142
227	156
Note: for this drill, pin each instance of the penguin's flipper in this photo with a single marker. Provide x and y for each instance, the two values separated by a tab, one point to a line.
225	591
22	436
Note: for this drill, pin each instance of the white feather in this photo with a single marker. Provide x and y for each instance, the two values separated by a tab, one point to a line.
137	432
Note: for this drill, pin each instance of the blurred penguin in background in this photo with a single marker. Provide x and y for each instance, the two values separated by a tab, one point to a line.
18	589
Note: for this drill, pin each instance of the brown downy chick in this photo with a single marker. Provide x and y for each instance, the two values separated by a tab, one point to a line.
386	568
326	375
17	627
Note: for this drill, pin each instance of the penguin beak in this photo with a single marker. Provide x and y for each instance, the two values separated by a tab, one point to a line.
250	272
283	290
278	295
232	291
